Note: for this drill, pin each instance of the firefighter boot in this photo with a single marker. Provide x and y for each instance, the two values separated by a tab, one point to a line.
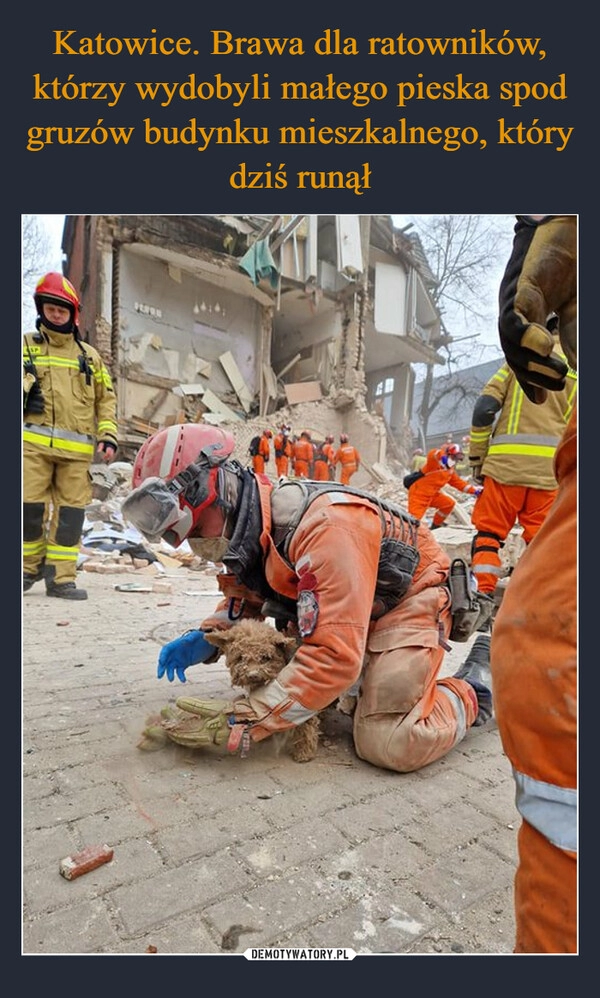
475	670
66	590
29	580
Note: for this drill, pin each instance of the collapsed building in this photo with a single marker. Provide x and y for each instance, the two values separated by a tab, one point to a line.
248	321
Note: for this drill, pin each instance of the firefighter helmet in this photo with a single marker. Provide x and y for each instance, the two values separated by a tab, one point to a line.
54	288
329	438
343	438
454	451
268	434
171	450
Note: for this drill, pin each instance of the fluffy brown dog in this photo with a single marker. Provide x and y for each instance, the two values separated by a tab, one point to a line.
255	652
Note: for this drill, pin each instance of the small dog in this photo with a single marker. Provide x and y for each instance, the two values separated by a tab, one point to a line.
255	653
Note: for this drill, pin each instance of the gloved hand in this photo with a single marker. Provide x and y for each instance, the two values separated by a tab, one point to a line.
540	278
477	492
177	656
34	402
209	722
199	722
106	450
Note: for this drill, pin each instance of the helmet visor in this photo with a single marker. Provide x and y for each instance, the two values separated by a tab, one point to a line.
152	508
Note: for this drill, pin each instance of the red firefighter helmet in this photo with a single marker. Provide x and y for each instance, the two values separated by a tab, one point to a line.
54	288
170	451
453	450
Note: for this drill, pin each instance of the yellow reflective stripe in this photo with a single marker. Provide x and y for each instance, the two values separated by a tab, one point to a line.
41	440
31	548
500	375
530	449
57	553
107	426
516	405
49	360
480	436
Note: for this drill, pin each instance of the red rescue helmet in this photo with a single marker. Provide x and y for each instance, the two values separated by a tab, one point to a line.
170	451
55	289
453	450
268	434
343	438
177	475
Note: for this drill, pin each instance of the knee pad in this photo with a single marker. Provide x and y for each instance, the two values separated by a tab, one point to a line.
70	525
33	520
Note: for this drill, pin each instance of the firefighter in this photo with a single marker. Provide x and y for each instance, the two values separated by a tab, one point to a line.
534	641
302	455
295	550
283	450
69	417
512	447
439	470
348	457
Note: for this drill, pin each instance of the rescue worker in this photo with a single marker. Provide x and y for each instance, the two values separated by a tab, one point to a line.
69	415
329	451
261	459
320	464
438	470
302	455
512	447
294	551
283	450
348	457
534	641
418	459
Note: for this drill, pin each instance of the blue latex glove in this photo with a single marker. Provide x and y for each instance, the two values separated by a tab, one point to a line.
176	656
478	491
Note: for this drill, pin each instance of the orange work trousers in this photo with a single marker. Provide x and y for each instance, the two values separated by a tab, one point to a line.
282	464
423	495
406	717
258	463
495	513
534	675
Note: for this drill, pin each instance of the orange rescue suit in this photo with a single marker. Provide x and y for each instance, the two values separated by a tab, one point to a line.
406	717
426	491
349	458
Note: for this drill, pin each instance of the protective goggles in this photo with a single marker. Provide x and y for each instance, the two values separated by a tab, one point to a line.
153	509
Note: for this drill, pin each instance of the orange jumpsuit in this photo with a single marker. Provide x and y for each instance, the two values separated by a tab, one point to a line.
426	491
349	459
405	717
302	458
264	452
329	451
534	672
282	444
320	465
534	639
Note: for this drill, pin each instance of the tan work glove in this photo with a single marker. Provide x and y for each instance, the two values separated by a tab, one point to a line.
540	278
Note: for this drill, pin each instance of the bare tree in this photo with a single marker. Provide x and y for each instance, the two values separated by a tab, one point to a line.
35	257
464	253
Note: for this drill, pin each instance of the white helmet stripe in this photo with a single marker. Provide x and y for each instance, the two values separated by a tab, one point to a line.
171	446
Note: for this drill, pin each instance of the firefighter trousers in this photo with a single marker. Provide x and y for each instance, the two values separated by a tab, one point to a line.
56	490
405	716
534	672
